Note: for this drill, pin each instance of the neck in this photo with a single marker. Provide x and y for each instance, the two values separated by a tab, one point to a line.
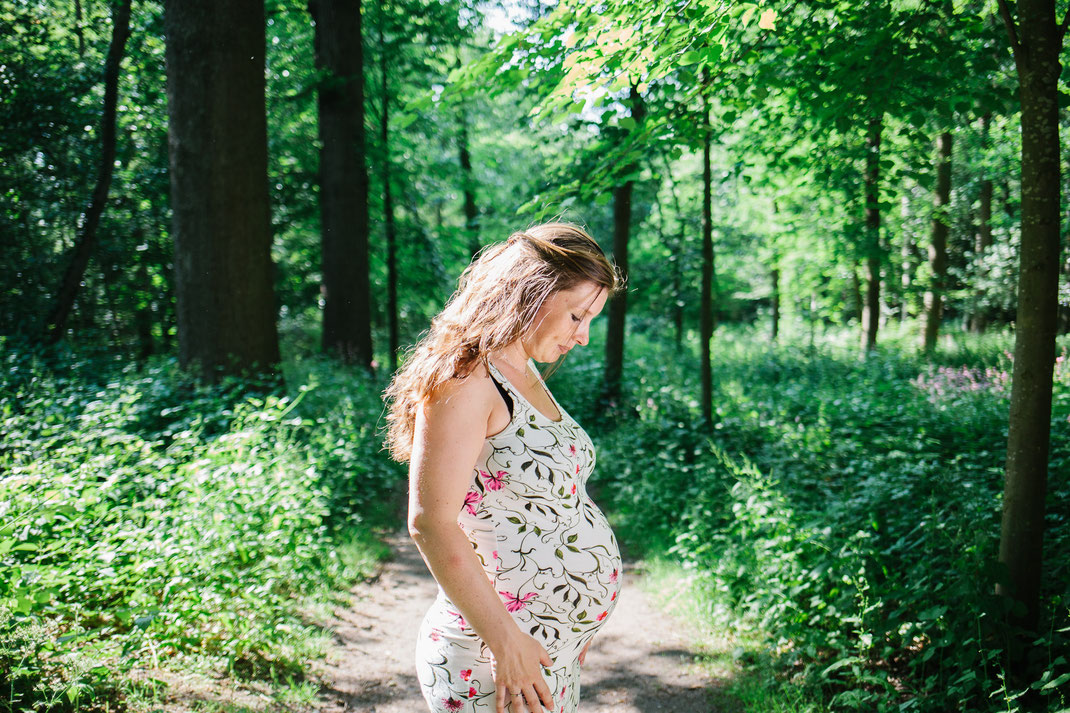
515	356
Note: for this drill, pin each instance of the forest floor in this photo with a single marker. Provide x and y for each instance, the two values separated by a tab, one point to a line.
645	660
651	657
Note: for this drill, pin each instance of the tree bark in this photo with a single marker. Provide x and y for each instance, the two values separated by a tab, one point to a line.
346	287
388	202
471	213
979	319
618	306
775	331
871	312
79	33
906	264
224	296
143	311
934	296
1036	40
707	297
857	307
56	323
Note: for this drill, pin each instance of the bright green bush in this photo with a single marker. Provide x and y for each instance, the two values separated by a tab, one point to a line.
143	517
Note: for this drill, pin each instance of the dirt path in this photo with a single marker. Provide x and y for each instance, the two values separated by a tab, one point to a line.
642	662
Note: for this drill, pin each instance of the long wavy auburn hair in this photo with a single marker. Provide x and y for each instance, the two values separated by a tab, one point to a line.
495	304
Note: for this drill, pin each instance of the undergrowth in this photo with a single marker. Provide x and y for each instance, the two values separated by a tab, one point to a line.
846	508
147	520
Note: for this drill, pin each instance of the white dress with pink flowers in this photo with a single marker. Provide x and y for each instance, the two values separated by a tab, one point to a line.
546	548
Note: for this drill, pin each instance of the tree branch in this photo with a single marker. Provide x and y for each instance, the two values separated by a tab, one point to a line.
1005	13
1066	22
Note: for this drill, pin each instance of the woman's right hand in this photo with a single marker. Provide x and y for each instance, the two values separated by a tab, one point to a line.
518	676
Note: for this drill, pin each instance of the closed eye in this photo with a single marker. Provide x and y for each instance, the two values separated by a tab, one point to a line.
575	318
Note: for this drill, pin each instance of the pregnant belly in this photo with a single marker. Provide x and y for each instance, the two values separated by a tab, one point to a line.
559	578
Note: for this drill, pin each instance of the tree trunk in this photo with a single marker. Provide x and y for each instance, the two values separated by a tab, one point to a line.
388	203
678	268
934	296
347	312
871	313
78	31
906	264
1036	43
979	320
618	306
143	311
56	323
471	214
221	223
856	294
775	331
707	297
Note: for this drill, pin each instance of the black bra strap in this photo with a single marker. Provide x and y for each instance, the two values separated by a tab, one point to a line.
505	395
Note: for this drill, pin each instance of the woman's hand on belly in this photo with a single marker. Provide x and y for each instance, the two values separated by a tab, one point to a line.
517	675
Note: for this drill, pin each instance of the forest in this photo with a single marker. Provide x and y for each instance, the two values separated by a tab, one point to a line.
831	408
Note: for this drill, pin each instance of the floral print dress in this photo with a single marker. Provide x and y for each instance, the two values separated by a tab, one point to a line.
546	548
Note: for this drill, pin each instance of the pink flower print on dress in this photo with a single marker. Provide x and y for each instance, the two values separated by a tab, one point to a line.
466	674
573	488
602	615
514	603
572	450
613	597
452	704
613	577
471	499
472	693
493	482
577	469
436	635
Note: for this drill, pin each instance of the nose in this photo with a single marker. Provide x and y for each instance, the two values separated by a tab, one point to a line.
583	334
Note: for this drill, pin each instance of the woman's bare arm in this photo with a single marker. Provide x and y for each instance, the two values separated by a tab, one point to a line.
449	435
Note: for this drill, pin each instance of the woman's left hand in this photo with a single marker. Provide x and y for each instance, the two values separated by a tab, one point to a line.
583	654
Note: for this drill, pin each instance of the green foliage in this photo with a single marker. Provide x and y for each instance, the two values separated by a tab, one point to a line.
144	520
848	508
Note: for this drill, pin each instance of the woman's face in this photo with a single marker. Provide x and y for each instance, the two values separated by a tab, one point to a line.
564	320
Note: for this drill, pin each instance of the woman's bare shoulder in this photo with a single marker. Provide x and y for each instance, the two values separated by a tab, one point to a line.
475	391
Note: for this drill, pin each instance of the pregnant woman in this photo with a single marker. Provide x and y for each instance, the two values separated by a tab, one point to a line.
527	566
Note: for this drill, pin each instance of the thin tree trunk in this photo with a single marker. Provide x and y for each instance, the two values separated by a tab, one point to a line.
471	213
618	306
143	310
706	311
934	296
775	331
1036	41
871	313
388	203
979	320
906	264
677	274
78	31
346	288
56	323
856	294
221	221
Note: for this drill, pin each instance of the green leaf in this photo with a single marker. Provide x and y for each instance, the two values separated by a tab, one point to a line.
690	57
